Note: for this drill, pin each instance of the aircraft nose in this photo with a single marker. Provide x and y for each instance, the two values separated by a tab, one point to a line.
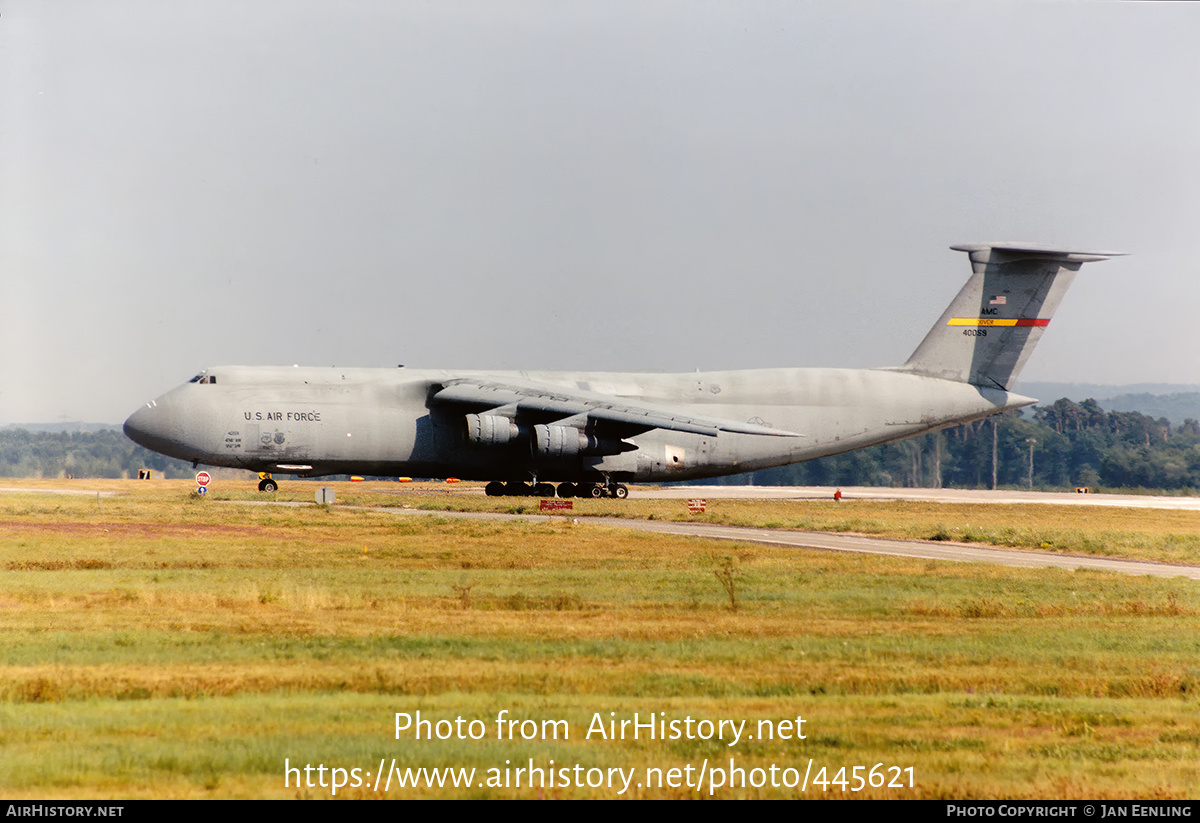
150	426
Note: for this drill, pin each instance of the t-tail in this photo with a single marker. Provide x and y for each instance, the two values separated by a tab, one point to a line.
992	326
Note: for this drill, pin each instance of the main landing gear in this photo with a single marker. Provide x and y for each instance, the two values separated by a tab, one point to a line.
564	490
266	483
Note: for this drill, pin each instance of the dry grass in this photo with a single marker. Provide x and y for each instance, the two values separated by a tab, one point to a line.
153	644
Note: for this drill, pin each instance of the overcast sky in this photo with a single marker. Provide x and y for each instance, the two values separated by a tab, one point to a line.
619	186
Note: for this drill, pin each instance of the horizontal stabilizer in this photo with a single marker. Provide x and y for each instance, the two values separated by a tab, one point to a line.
983	252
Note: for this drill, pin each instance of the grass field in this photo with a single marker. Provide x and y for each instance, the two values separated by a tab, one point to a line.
154	644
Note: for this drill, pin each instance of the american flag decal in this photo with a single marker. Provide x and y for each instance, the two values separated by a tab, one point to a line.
998	300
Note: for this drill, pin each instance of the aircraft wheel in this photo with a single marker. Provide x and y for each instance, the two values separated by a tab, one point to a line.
595	492
268	485
566	490
494	489
543	490
620	492
516	490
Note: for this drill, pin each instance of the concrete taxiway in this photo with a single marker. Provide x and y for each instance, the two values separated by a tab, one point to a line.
824	541
930	550
1131	501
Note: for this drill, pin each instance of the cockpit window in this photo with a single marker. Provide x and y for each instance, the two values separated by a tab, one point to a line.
204	377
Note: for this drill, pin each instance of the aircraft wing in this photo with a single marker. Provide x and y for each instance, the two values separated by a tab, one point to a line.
553	402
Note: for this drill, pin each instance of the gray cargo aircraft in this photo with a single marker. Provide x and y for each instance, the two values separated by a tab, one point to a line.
591	432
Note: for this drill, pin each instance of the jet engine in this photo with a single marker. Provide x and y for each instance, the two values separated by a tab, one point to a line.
491	430
558	442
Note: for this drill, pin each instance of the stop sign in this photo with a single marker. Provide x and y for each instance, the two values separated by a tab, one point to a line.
203	479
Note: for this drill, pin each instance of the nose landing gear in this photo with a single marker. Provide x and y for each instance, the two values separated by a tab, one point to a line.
266	483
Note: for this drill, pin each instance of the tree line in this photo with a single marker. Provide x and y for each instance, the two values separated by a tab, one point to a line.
105	453
1056	446
1063	445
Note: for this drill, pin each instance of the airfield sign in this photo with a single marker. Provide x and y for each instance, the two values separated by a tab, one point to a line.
203	479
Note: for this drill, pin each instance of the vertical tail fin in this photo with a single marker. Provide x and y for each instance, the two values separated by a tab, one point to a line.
991	327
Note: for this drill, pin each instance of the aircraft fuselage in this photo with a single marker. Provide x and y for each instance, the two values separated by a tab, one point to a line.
318	421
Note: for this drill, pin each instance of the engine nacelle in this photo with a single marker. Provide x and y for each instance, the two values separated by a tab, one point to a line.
491	430
558	442
547	442
565	442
